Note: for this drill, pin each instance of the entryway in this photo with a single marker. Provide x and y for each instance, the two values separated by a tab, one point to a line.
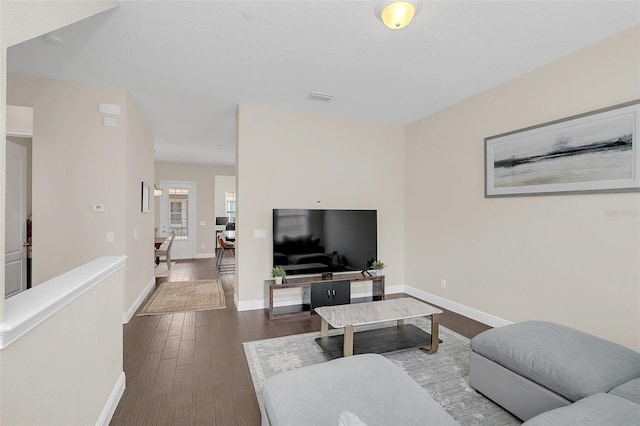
178	213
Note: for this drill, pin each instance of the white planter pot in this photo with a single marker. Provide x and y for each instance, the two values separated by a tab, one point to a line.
278	280
378	272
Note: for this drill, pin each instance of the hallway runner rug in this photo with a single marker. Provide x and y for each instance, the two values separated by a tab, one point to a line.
445	374
185	296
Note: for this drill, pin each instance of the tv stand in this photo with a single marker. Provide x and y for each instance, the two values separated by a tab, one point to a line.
318	292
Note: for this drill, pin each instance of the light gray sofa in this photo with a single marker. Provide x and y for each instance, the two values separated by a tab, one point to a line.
370	386
550	374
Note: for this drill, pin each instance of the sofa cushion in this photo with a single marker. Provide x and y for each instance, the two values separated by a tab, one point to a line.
629	390
596	410
369	386
568	362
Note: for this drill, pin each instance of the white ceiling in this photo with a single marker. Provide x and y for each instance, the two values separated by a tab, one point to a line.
188	64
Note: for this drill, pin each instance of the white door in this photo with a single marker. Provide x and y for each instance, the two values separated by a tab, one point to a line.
15	278
178	213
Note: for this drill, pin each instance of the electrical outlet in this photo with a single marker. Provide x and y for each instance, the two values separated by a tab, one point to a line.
203	246
443	283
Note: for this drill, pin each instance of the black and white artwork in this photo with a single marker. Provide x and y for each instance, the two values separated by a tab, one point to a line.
592	152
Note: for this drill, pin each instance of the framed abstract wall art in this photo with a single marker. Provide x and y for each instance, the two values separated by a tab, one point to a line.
593	152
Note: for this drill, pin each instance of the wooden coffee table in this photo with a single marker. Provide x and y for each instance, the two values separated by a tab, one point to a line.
383	340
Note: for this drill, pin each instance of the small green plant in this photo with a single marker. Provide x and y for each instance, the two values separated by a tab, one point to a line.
278	272
377	264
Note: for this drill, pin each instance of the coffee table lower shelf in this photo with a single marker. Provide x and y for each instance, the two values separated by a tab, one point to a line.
377	341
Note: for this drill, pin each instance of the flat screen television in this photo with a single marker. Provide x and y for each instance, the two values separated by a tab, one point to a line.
315	241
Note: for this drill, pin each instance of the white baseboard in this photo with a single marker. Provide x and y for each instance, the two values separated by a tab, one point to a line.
251	305
205	255
126	316
394	289
112	402
458	308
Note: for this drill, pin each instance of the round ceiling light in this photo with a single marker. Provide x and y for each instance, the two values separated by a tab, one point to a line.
397	14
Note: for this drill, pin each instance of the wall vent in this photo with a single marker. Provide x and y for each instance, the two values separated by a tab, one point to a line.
317	96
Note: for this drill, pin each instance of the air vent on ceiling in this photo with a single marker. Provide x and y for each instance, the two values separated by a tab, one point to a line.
317	96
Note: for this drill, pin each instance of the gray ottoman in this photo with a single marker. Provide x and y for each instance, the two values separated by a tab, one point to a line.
535	366
369	386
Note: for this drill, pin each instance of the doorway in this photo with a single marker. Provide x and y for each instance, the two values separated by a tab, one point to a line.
178	214
16	216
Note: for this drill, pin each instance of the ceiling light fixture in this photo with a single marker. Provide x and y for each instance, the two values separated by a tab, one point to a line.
397	14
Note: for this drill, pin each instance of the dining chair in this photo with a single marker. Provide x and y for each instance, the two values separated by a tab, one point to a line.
166	252
225	246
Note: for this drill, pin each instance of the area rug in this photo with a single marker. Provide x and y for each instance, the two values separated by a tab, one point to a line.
161	270
185	296
445	374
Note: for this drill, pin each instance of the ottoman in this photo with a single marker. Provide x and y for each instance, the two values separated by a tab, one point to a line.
370	386
536	366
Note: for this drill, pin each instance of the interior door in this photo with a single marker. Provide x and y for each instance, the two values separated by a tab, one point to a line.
177	213
15	278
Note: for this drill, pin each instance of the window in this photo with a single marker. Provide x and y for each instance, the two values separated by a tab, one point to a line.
178	212
230	205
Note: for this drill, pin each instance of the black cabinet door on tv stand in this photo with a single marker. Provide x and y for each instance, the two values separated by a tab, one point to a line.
341	292
321	295
331	293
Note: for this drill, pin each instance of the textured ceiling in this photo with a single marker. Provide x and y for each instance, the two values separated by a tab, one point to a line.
188	64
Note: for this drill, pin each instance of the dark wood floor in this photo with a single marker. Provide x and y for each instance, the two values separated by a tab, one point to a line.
190	369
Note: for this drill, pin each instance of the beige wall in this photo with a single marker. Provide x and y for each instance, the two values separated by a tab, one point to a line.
64	370
204	177
294	160
19	120
139	226
21	21
76	162
557	258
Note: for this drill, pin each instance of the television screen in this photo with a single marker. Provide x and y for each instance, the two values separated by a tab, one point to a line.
316	241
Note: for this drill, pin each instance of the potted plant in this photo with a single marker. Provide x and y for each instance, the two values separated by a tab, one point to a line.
278	273
378	266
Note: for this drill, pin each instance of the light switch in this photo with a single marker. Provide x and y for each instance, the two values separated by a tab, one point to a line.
259	233
110	237
202	223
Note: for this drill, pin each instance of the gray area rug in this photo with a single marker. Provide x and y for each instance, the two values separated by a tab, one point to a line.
445	374
185	296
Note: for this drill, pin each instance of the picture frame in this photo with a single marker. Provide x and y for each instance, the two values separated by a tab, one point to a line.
146	198
594	152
